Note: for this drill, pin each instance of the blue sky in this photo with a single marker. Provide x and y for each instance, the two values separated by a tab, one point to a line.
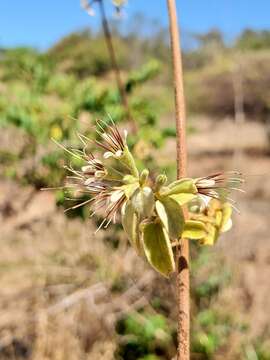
41	23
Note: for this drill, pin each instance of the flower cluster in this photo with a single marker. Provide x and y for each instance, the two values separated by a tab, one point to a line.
151	210
216	217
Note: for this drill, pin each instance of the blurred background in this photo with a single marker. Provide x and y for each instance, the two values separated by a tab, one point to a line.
67	293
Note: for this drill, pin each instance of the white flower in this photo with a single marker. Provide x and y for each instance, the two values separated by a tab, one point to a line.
219	186
113	142
116	155
116	195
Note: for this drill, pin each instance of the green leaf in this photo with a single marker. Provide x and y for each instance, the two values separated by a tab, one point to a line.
184	185
131	225
194	230
157	248
183	198
171	216
143	201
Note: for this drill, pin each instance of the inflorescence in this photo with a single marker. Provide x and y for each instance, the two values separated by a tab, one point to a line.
151	211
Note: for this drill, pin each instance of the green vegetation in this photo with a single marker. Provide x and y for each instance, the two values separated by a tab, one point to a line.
145	336
64	90
53	94
43	103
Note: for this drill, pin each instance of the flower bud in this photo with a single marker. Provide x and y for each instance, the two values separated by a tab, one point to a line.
144	176
160	181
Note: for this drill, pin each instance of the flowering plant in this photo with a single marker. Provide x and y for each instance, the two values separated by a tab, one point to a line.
154	214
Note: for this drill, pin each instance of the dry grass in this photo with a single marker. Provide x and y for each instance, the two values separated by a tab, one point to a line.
63	288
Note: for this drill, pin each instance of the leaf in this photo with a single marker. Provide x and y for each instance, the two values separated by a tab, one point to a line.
131	225
185	185
194	230
183	198
171	216
143	201
157	248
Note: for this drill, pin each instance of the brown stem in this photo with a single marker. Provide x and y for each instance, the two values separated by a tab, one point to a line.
182	251
115	67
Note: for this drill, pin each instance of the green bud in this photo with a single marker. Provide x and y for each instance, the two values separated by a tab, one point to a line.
171	216
144	176
157	248
196	205
160	181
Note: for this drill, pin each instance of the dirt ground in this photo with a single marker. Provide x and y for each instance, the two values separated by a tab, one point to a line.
224	145
40	248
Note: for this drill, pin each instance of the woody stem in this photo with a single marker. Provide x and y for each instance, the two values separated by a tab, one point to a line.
182	251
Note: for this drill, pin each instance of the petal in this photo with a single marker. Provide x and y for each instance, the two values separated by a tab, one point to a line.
116	195
227	226
227	213
87	168
108	154
212	235
118	154
206	183
194	230
89	181
205	200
